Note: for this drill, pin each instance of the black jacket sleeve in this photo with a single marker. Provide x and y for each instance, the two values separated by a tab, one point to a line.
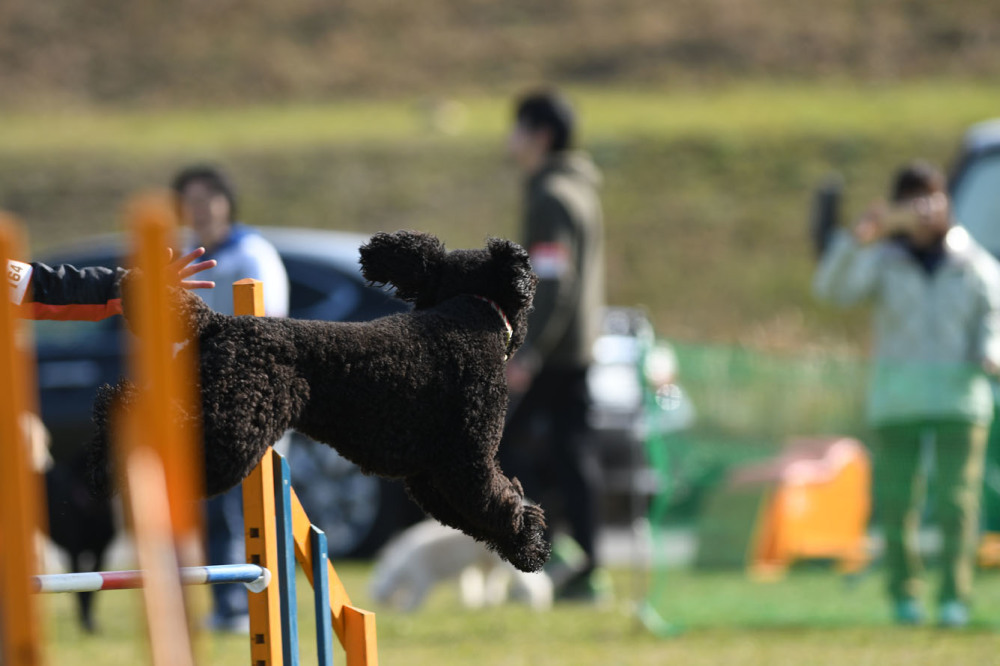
69	293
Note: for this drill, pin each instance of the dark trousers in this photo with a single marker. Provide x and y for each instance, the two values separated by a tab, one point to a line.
226	546
900	487
546	446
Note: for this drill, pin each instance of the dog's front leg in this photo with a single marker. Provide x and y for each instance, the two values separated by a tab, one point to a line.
487	506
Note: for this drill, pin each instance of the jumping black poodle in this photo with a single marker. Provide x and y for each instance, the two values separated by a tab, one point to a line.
419	396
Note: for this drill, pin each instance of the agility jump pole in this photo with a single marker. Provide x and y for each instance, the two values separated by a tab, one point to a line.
278	531
255	578
162	471
20	493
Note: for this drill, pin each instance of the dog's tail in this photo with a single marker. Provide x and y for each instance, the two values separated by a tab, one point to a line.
111	402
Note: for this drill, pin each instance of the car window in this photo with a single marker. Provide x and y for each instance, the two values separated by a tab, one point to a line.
320	291
76	334
976	201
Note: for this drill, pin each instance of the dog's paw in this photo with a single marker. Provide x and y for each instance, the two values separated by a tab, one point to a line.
529	550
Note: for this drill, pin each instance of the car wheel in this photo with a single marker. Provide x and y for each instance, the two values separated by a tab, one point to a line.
358	512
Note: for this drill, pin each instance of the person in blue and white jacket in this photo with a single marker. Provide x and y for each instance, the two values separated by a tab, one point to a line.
206	200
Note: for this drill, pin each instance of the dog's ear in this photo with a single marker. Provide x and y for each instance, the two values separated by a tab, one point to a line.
515	259
408	260
504	250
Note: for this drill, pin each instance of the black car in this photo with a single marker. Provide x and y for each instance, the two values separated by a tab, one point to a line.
360	512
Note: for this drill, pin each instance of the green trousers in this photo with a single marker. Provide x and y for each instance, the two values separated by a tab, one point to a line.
958	452
991	481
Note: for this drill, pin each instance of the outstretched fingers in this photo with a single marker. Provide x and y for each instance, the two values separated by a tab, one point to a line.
182	268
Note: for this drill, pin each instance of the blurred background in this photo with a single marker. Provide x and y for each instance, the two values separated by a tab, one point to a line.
715	124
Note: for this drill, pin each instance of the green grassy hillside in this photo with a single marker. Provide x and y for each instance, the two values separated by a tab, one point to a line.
706	194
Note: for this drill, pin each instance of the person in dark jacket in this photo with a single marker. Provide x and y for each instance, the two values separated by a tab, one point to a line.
92	293
563	233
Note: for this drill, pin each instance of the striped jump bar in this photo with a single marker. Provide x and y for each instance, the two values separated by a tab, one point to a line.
255	578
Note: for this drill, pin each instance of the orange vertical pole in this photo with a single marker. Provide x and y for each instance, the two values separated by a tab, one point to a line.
165	377
20	498
259	524
166	617
159	454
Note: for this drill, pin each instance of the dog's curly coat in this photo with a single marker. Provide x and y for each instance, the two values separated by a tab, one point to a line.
419	396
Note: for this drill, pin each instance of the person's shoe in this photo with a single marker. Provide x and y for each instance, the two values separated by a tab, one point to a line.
908	612
567	561
953	615
592	588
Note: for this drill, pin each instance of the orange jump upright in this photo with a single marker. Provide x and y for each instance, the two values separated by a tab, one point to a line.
163	470
259	530
20	495
354	628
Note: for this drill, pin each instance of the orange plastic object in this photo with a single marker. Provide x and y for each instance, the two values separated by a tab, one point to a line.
818	508
988	554
20	495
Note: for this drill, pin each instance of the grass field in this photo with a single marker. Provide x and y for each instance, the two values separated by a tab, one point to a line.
812	617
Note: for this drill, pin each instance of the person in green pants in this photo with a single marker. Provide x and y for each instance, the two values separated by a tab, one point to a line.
991	477
936	307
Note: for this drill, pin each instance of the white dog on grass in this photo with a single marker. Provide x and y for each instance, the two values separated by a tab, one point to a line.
429	553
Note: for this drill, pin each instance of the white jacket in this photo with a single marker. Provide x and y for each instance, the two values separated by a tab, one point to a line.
246	254
932	331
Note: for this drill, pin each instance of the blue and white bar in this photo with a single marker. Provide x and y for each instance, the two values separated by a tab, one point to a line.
256	579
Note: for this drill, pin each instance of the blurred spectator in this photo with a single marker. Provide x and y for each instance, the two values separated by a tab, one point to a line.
207	201
563	232
936	296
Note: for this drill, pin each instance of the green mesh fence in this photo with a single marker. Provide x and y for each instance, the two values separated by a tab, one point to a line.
748	407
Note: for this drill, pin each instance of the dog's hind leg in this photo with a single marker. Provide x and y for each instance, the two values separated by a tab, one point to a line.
110	401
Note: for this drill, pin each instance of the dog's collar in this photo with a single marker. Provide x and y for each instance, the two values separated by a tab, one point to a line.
508	329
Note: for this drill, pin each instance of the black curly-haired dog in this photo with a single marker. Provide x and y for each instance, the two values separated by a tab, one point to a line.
419	396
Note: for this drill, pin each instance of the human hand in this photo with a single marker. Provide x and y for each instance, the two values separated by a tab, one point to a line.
990	368
182	268
872	225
